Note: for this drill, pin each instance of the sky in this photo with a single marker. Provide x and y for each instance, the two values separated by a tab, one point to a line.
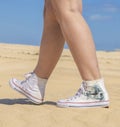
21	22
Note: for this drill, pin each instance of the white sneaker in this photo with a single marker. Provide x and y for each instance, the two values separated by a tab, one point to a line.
29	88
88	96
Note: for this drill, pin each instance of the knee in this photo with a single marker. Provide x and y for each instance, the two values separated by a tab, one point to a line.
63	12
48	9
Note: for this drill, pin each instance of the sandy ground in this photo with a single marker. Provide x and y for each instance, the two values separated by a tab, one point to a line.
16	111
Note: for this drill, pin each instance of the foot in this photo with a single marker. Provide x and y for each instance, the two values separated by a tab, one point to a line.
29	88
87	96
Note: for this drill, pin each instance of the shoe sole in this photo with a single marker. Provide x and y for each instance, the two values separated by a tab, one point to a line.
33	99
103	104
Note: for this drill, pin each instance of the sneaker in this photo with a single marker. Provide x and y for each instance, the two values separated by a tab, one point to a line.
29	88
88	96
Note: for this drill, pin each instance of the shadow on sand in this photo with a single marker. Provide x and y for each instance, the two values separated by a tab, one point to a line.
23	101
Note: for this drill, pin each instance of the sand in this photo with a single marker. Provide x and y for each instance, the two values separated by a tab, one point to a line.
16	111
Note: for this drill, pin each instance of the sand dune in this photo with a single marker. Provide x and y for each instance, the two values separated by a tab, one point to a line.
16	111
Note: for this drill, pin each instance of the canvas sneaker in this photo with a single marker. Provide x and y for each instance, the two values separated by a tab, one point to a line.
94	95
29	88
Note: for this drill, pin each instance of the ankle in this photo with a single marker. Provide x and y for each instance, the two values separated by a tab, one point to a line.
41	81
39	75
90	76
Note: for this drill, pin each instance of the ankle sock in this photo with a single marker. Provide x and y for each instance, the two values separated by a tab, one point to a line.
42	85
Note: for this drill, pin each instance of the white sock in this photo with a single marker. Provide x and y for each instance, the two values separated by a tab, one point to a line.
42	85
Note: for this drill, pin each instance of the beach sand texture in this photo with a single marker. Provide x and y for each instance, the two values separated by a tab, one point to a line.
16	111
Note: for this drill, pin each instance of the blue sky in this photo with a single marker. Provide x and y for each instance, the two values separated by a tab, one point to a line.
21	22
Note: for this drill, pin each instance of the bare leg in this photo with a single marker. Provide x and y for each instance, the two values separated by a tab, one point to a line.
92	92
78	36
51	45
33	87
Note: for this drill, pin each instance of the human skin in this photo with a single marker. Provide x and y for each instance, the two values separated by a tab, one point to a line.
51	45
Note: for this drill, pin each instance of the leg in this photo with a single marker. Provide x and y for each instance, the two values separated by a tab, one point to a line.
92	92
51	45
78	36
33	87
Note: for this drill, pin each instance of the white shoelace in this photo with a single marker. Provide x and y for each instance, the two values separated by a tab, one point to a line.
80	91
27	77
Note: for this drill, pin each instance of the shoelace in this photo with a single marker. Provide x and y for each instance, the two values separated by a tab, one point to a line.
80	91
27	76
